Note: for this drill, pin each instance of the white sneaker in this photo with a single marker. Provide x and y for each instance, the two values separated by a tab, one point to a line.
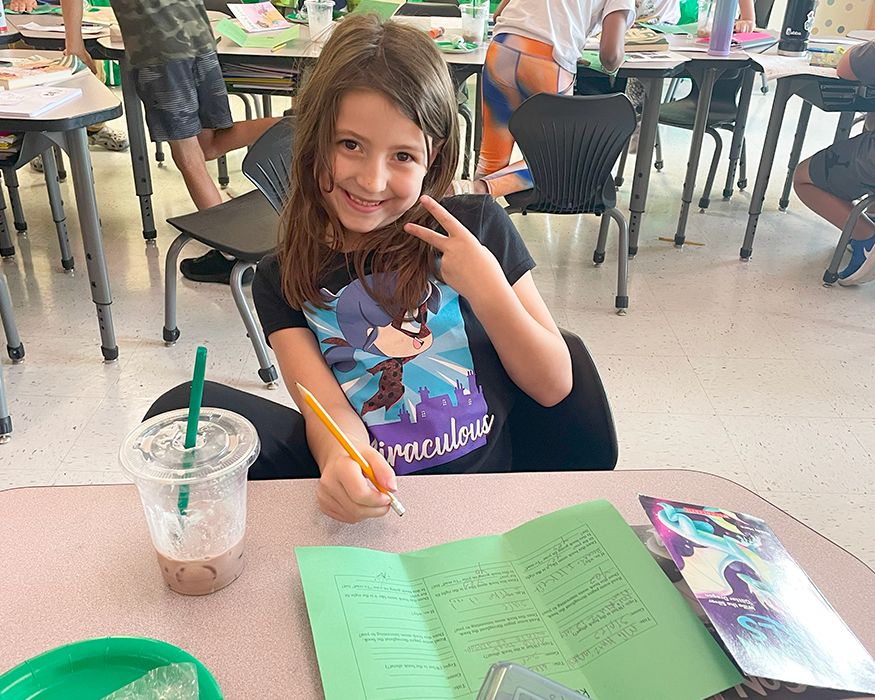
109	138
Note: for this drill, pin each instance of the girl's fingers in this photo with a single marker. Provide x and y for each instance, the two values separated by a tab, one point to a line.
431	237
450	223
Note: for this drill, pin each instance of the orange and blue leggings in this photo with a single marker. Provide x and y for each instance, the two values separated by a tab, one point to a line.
516	68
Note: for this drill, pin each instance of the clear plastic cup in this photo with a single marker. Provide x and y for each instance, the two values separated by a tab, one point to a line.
194	499
705	21
319	14
474	22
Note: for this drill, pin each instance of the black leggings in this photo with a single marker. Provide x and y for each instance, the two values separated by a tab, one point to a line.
284	452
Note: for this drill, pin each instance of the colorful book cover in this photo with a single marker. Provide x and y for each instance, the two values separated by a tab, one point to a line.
227	27
770	616
259	17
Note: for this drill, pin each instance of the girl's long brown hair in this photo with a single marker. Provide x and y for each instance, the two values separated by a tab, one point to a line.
402	64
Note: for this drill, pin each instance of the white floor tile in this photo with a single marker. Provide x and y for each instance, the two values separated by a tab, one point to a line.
744	387
846	519
816	455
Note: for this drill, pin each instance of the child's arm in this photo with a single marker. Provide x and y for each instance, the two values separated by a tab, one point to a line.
75	46
746	21
611	51
843	69
343	493
500	8
516	319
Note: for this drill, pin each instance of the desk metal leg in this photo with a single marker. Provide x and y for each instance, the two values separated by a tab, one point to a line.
795	153
89	223
644	159
776	118
703	106
738	131
139	152
266	106
50	172
843	129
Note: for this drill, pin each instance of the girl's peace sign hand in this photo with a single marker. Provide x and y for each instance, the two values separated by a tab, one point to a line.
466	265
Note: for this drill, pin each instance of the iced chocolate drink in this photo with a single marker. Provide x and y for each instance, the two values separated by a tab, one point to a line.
202	576
195	498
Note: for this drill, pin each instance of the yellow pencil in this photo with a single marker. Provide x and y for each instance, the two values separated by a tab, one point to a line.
349	447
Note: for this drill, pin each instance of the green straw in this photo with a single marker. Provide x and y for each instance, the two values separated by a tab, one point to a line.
194	413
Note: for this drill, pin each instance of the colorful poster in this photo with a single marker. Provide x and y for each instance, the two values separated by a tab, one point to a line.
770	616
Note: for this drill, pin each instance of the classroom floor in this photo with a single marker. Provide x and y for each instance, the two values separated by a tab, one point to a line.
752	371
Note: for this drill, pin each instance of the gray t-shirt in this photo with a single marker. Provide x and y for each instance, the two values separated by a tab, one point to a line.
862	62
158	31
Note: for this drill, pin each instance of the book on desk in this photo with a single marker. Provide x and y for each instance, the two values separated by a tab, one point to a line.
573	595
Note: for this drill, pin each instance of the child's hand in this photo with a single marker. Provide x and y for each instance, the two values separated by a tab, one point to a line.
466	265
742	26
345	494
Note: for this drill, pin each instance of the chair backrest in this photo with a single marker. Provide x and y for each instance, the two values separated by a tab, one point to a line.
436	8
269	161
218	6
570	144
577	434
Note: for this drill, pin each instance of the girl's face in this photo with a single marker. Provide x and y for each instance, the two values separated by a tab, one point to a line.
380	159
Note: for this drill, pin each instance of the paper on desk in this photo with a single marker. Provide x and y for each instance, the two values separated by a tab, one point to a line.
573	595
781	66
59	28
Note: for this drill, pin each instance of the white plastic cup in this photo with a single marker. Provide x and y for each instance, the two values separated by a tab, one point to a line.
705	22
194	499
474	22
319	14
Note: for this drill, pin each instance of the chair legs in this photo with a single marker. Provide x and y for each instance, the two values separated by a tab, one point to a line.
705	199
170	333
831	274
7	247
795	152
465	111
622	299
621	166
266	369
50	173
15	199
16	352
159	153
658	163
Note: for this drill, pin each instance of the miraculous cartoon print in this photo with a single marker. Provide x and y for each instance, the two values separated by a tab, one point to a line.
412	380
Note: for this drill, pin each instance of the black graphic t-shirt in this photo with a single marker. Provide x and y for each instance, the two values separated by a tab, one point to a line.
430	389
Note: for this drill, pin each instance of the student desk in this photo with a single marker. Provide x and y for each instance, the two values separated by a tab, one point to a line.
829	94
78	563
65	126
705	70
300	50
11	35
47	40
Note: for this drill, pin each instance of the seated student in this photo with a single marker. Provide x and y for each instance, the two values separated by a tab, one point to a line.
172	53
535	48
830	181
415	340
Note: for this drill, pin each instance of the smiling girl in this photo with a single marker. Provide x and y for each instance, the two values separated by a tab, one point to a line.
414	323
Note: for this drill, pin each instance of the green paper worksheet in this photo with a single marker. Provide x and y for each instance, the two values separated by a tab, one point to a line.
573	595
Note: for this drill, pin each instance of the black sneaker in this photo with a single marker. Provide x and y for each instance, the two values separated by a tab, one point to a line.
212	267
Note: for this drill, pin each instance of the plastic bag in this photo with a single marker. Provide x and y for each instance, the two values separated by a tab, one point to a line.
173	682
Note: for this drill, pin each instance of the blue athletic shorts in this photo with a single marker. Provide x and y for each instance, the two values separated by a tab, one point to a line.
183	97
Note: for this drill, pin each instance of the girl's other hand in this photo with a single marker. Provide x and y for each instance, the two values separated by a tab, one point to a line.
466	265
744	26
345	494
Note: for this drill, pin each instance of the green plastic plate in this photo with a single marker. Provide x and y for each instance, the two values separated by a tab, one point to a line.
94	668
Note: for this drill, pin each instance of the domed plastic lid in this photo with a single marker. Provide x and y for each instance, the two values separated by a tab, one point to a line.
155	450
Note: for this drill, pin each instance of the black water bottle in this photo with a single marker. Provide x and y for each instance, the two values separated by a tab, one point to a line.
798	19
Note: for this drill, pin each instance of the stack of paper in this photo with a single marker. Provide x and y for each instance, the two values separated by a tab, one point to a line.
242	76
34	70
269	40
34	101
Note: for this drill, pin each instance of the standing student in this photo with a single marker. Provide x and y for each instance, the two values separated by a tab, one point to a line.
170	47
535	48
415	324
830	181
